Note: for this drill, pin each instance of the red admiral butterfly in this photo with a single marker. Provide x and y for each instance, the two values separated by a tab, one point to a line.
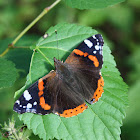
64	90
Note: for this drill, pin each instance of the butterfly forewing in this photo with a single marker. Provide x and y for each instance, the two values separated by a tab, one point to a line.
87	60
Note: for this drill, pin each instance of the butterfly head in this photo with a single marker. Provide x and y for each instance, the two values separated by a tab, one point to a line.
61	68
58	64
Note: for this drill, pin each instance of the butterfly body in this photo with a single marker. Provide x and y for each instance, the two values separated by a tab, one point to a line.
65	90
62	70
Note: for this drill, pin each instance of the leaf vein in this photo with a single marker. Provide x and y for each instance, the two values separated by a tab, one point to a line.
103	123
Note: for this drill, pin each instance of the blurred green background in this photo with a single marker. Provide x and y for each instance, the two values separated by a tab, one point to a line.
119	25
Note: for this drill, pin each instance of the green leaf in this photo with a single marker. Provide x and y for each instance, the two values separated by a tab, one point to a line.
90	4
1	136
101	120
20	56
8	73
4	44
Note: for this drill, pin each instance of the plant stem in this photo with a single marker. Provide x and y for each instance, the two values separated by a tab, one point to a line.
4	52
15	134
29	26
45	11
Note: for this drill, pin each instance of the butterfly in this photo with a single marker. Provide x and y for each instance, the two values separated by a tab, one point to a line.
65	90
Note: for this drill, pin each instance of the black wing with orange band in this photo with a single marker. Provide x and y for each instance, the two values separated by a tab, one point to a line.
34	100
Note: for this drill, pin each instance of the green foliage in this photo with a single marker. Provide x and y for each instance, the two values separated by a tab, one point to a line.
2	137
4	44
131	126
90	4
23	55
101	120
120	14
8	73
134	3
18	60
134	63
99	17
20	133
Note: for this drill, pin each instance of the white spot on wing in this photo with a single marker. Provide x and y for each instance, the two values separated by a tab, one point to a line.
27	95
88	43
35	103
18	102
29	106
94	52
94	36
33	111
101	53
98	43
97	47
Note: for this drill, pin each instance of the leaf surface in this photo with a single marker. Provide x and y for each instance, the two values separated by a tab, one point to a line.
21	55
91	4
8	73
102	120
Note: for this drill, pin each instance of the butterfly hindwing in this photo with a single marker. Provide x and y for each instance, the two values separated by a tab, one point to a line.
34	100
50	95
68	99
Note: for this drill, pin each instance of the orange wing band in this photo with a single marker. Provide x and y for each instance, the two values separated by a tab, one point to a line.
73	112
78	52
91	57
40	93
99	90
43	104
94	59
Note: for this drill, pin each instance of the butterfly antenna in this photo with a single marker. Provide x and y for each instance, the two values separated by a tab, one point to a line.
57	44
